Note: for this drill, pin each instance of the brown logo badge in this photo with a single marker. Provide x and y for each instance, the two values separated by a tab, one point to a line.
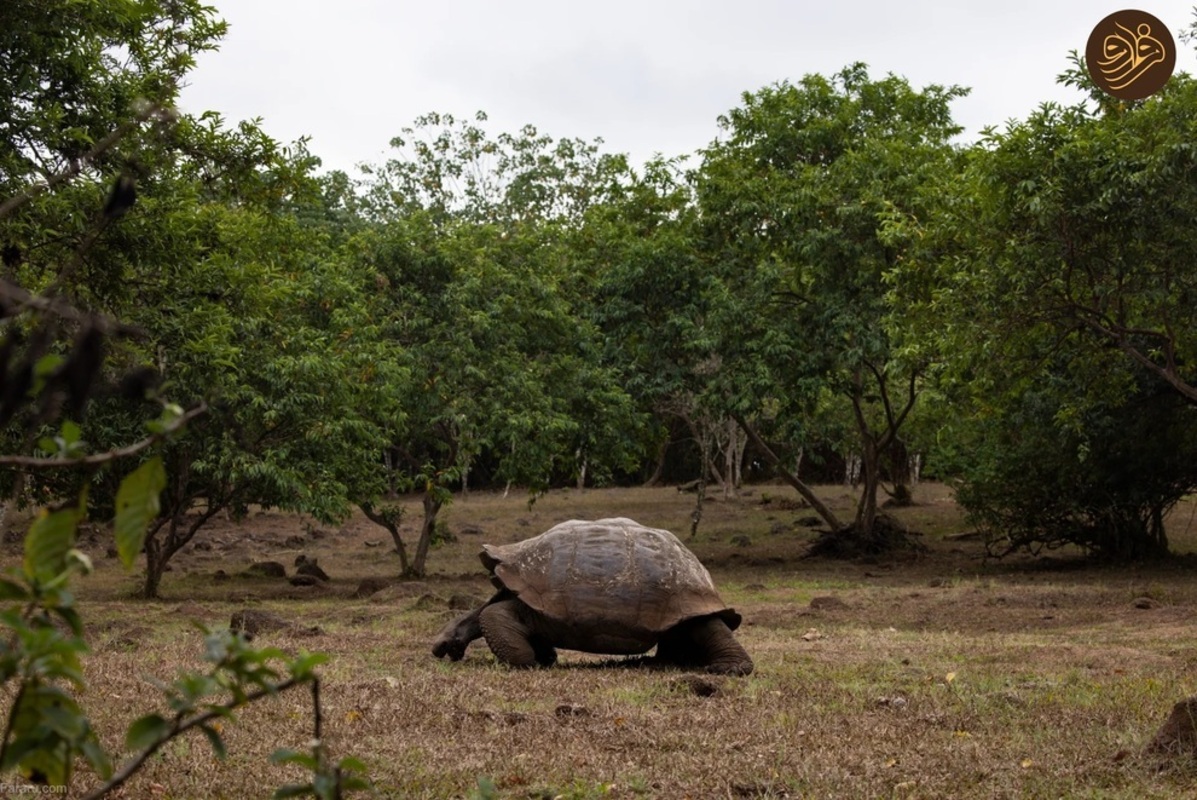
1130	54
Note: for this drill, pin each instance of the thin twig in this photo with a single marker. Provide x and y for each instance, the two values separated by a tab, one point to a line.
36	462
182	726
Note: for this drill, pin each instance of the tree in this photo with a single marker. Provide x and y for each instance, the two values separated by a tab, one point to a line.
227	297
1054	272
46	729
71	74
637	265
793	201
468	248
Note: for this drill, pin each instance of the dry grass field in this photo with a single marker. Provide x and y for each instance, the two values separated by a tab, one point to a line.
936	676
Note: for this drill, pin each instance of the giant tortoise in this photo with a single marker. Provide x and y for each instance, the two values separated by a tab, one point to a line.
609	586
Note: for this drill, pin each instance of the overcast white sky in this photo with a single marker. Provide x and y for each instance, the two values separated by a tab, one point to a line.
648	76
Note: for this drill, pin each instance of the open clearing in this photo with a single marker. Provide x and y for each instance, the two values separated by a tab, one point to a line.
937	676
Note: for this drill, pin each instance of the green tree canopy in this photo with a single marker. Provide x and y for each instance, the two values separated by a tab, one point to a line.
793	199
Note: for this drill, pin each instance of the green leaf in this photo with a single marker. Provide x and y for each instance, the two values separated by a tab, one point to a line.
11	590
146	731
217	743
288	756
304	666
351	764
136	505
293	790
97	758
71	433
50	538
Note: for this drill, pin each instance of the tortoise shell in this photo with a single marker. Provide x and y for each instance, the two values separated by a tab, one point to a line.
608	579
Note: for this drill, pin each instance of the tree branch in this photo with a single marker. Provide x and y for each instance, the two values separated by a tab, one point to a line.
181	726
818	505
20	298
36	462
99	148
1188	391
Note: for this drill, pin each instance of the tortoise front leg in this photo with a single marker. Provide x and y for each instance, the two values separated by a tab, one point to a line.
511	638
457	635
705	642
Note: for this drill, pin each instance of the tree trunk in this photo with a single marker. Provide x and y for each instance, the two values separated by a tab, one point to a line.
158	552
732	456
659	469
155	564
582	463
901	473
870	475
852	468
389	520
432	507
700	494
805	491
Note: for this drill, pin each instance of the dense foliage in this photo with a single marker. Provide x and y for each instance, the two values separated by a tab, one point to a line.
512	309
1055	277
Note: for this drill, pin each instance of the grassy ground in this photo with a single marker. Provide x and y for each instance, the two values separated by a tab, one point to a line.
941	676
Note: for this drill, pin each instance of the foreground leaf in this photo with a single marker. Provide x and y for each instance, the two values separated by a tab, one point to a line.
136	505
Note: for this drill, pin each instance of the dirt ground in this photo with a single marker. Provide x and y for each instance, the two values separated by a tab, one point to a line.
936	674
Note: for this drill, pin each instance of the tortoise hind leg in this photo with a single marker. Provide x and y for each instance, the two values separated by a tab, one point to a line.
704	642
511	638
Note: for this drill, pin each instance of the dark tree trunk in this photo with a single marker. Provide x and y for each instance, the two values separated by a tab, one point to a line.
900	473
432	507
389	520
700	493
870	475
821	508
158	552
659	469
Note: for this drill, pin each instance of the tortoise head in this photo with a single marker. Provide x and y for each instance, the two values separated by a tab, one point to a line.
453	640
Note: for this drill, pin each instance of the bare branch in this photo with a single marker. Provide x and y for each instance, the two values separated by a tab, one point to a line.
1187	390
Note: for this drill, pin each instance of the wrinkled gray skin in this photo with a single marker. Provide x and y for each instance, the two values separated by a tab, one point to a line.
608	611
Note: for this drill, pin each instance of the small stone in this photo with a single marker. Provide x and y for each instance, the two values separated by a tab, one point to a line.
462	602
572	710
309	567
269	569
251	622
427	602
370	586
